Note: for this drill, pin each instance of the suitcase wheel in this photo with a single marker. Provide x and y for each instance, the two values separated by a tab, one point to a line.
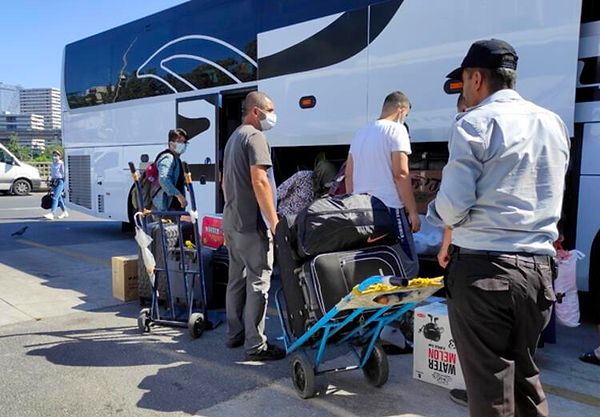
376	370
144	320
303	375
196	325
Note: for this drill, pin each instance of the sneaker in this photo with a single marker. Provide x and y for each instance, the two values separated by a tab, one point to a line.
49	216
459	396
63	215
271	353
234	343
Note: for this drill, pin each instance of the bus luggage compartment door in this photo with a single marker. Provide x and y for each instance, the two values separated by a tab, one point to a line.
198	116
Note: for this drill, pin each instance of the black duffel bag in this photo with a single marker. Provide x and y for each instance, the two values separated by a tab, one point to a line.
343	222
46	202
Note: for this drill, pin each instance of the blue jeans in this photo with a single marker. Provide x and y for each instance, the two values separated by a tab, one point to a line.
57	200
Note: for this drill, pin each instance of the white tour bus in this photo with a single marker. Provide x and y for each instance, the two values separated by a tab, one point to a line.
327	65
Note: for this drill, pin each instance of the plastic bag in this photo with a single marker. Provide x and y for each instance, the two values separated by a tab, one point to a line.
144	241
565	287
428	240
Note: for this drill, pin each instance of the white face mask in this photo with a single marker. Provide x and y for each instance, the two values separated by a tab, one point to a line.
180	147
269	121
55	158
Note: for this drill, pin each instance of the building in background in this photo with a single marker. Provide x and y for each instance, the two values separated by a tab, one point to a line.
9	98
42	101
21	122
31	115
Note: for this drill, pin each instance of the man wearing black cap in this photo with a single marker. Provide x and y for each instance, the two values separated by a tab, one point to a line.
501	194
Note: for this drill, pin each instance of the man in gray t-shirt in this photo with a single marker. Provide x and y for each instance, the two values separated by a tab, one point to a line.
249	221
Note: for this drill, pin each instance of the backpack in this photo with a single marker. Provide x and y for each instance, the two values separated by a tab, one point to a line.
148	183
338	185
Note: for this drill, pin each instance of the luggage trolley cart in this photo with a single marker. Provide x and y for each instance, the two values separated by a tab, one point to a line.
196	321
356	320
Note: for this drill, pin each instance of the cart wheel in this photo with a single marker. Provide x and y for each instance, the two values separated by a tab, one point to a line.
303	376
377	369
196	325
144	320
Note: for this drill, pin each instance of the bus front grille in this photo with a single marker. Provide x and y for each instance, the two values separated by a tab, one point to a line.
80	184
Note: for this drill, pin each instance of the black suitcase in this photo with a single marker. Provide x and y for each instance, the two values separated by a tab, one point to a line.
289	267
344	222
216	271
328	277
173	263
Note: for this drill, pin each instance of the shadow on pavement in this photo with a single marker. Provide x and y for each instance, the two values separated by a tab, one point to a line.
71	255
194	374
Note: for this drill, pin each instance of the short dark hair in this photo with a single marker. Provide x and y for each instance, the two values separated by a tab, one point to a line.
255	98
394	100
498	78
175	133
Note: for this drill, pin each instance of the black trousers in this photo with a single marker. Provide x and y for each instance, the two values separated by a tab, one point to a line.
498	304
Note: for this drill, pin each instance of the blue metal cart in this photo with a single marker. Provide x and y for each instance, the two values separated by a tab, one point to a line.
356	321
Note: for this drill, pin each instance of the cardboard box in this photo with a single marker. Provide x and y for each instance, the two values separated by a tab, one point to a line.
426	184
125	277
435	357
213	236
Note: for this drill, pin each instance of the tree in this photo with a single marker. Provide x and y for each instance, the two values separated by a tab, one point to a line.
21	152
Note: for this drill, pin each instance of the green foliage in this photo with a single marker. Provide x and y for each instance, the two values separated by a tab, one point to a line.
46	156
21	152
25	154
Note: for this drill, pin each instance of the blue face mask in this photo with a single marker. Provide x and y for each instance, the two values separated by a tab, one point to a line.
180	147
55	158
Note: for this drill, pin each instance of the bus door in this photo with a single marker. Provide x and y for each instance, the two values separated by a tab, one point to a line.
198	116
230	118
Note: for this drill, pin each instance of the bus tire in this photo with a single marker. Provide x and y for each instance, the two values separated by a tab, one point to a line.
129	226
594	279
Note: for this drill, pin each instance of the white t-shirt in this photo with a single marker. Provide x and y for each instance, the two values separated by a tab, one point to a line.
371	151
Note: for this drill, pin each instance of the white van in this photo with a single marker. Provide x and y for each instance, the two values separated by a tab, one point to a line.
17	177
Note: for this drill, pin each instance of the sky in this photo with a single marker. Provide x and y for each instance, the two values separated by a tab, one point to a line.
33	33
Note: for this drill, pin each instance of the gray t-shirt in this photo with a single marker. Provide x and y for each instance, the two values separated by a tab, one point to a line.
246	146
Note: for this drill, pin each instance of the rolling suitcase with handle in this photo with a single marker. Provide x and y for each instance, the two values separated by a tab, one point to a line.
289	267
328	277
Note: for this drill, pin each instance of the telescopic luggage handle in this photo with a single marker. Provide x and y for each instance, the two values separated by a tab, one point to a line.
133	171
187	175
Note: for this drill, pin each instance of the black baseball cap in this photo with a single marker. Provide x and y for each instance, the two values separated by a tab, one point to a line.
492	53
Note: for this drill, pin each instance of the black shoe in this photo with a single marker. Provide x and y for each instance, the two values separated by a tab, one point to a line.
234	343
459	396
271	353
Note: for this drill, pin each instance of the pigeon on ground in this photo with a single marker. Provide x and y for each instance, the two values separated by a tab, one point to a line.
20	231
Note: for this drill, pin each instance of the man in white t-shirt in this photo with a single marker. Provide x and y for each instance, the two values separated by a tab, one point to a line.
378	165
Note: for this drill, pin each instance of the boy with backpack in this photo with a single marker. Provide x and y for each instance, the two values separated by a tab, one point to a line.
163	186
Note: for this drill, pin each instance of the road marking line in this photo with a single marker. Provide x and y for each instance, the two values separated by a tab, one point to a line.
71	254
20	208
579	397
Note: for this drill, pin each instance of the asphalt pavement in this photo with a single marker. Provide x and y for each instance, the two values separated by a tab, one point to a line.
67	348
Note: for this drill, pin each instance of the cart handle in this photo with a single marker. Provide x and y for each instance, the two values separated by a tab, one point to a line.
187	175
134	174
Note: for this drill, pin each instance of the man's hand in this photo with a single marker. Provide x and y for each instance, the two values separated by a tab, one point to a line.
182	200
443	257
415	221
273	227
